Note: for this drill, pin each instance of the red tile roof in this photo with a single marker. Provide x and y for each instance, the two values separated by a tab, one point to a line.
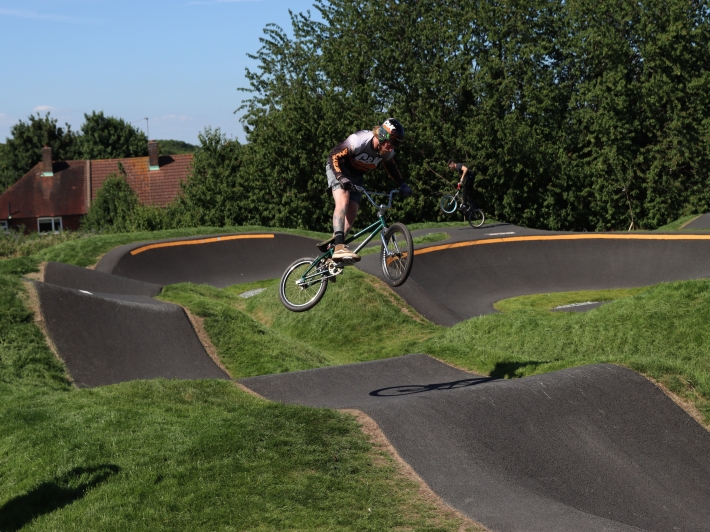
154	187
64	193
35	195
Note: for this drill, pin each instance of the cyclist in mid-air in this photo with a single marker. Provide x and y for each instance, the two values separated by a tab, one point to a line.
360	153
465	182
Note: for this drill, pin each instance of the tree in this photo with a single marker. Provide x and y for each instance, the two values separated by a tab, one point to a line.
573	114
115	205
215	192
106	137
173	147
23	149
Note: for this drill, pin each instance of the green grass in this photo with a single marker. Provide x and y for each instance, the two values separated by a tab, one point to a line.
176	455
201	455
556	299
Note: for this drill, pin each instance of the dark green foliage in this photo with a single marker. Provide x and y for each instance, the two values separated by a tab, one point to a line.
23	149
216	193
115	205
572	115
106	137
175	147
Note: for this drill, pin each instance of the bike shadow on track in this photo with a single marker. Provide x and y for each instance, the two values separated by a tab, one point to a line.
408	389
501	370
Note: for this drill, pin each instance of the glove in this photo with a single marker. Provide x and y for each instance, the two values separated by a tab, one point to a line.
458	186
404	190
345	183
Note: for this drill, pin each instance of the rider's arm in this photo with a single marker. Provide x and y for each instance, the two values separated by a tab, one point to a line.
393	171
336	158
463	169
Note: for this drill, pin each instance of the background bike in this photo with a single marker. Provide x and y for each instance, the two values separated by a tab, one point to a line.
304	282
473	216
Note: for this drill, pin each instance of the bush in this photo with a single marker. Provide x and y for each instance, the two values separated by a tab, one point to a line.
115	206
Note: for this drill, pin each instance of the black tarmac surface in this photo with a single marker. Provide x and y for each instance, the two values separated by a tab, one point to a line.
701	222
453	284
590	448
108	329
219	261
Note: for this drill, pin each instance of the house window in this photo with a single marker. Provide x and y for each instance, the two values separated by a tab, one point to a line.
3	225
49	225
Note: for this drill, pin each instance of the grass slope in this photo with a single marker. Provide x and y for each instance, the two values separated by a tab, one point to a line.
175	455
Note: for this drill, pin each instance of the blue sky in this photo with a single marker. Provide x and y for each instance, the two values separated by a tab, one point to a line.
177	62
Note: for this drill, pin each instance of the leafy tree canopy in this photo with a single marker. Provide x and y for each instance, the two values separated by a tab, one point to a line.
106	137
23	149
573	114
175	147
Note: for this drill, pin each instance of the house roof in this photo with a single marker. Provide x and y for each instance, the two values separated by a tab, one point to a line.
35	195
64	193
154	187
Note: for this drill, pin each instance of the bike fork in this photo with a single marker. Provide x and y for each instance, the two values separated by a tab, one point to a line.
384	245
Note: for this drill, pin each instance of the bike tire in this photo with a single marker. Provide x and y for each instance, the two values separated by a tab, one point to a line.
475	217
448	204
397	265
300	298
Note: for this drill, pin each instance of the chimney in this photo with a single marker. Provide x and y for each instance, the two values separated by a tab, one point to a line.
153	155
47	161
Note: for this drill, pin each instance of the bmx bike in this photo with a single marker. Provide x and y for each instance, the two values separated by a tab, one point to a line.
473	215
304	282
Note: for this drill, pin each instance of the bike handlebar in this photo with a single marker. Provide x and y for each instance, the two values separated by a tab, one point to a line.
370	194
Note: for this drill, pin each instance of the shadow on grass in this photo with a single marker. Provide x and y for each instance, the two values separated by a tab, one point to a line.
408	389
509	370
52	495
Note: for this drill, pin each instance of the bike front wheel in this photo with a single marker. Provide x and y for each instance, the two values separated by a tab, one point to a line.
475	217
448	204
299	293
397	254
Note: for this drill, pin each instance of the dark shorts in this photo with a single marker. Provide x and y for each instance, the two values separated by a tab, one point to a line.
334	184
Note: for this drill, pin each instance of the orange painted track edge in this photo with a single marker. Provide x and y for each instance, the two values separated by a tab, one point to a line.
557	237
197	241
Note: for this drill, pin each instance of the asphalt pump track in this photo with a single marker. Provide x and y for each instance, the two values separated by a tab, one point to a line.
590	448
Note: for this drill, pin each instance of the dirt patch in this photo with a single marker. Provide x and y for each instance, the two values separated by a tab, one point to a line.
397	301
199	325
95	264
249	390
685	404
37	276
404	470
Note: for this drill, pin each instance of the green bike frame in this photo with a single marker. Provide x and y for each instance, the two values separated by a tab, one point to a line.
378	227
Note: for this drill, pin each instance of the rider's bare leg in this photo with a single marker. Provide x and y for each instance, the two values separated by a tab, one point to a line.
343	218
345	211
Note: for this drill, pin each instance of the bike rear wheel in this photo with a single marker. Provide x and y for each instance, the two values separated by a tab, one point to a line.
298	295
475	217
396	257
448	204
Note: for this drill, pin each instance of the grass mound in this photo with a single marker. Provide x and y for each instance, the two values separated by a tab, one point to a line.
202	455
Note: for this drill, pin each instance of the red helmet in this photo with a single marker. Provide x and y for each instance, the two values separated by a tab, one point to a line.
391	130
